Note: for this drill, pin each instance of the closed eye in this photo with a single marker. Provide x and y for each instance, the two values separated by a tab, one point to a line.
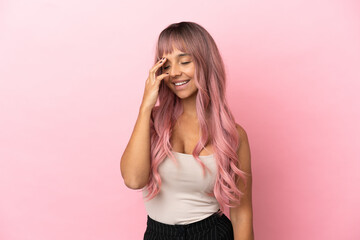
182	63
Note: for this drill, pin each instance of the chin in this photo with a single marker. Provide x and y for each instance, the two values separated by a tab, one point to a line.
186	94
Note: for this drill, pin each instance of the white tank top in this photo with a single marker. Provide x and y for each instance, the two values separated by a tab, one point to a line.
182	198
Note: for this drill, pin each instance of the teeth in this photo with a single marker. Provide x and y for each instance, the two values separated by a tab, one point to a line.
181	83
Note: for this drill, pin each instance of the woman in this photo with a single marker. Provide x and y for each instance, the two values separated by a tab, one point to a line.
187	154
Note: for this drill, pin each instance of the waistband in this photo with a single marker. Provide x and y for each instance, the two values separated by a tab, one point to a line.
191	228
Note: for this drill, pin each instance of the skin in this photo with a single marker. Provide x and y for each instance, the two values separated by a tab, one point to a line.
185	136
242	216
182	68
185	133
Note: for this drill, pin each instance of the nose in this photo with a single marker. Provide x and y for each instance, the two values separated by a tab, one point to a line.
174	71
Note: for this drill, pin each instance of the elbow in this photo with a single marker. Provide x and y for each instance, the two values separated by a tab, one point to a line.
134	185
136	182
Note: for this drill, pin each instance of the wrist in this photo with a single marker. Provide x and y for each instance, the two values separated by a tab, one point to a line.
145	109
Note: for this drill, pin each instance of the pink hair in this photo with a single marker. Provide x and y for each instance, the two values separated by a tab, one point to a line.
217	124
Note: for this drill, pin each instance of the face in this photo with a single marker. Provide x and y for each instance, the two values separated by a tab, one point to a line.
180	67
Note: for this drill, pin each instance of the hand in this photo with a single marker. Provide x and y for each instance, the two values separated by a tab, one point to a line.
152	84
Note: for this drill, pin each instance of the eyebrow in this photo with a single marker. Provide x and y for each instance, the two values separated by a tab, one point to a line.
180	55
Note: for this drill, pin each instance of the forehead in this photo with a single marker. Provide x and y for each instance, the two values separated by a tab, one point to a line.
176	53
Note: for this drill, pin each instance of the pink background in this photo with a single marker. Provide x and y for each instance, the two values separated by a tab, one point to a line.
72	77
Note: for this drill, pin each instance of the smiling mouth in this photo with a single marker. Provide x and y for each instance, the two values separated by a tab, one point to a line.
181	83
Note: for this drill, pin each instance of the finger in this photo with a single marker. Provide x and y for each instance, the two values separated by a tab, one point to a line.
162	76
158	64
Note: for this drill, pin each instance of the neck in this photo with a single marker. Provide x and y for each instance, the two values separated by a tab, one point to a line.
189	106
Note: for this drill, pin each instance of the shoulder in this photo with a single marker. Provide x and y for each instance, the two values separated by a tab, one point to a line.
242	133
244	149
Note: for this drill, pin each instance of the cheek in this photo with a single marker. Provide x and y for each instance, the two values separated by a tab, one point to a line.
192	72
168	83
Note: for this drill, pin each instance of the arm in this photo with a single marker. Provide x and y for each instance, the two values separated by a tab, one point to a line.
135	165
242	216
135	161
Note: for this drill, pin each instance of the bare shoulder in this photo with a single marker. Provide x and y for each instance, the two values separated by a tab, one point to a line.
242	133
244	149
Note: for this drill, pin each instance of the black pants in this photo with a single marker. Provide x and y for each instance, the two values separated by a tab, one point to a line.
214	227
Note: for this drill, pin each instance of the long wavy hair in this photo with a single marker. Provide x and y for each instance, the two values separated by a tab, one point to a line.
217	124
